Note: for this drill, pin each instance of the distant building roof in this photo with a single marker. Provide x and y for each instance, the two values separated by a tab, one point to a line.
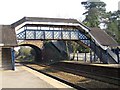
7	36
103	38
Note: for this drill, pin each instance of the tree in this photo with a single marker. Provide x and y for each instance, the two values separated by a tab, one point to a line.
67	50
95	12
24	53
74	46
113	25
96	15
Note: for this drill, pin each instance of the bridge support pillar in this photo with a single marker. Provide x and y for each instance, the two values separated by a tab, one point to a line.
94	57
107	56
5	59
13	58
91	56
85	57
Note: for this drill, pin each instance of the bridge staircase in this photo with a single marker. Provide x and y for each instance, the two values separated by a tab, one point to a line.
105	54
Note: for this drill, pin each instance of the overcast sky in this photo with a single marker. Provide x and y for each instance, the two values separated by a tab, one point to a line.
12	10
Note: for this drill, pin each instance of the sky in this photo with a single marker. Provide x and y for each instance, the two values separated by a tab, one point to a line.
13	10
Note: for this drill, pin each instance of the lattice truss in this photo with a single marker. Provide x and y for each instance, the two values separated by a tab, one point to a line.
53	35
84	39
30	34
21	35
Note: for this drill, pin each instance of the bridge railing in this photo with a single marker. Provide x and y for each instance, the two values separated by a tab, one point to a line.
51	34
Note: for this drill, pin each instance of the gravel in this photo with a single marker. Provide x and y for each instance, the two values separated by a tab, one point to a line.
75	79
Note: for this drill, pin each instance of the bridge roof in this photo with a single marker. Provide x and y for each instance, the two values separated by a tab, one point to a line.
41	19
103	38
7	36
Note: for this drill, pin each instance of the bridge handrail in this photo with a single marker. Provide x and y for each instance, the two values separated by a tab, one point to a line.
88	30
113	55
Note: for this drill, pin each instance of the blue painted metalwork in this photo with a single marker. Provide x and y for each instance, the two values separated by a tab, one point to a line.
95	52
85	57
32	34
91	56
106	56
13	59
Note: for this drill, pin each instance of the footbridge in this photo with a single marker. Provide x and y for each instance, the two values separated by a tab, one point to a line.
34	29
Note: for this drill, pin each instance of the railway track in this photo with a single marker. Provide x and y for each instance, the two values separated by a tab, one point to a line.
112	78
74	78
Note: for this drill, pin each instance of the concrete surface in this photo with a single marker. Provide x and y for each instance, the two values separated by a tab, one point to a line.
24	77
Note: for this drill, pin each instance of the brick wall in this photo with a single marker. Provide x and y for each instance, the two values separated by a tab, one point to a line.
37	43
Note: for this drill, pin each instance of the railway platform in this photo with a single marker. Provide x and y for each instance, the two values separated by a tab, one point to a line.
81	62
24	77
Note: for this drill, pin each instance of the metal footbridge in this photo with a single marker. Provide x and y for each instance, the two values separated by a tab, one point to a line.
35	28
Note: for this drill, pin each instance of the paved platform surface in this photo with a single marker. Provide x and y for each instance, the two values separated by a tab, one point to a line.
24	77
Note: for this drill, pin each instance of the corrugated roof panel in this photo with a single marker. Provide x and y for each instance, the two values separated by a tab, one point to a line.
103	38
